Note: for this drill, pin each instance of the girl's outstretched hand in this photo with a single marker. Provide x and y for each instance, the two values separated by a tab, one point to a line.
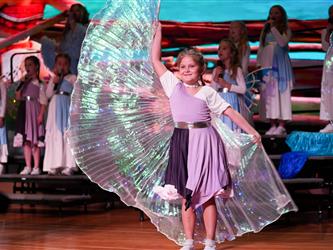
256	138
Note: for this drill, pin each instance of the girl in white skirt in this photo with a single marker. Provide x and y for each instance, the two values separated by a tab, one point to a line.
275	97
58	158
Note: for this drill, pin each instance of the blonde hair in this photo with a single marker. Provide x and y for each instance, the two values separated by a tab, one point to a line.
197	57
234	60
243	42
195	54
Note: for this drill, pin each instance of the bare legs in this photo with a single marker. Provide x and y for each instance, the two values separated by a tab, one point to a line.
275	122
209	216
282	123
33	151
27	154
36	155
188	218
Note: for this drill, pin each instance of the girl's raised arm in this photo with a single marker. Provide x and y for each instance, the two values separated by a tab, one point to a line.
159	67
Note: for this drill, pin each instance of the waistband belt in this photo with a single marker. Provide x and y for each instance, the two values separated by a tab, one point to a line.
189	125
29	98
62	93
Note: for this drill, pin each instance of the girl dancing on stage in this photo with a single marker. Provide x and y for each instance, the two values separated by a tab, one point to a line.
197	181
197	165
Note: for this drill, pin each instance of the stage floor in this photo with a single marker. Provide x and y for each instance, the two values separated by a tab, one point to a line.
120	229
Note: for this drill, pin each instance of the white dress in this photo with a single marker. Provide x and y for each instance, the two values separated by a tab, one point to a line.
326	100
57	151
274	104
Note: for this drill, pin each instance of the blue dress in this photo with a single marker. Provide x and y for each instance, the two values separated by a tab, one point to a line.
233	99
275	96
62	105
57	152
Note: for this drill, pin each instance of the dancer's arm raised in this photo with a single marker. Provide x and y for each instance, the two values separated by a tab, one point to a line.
159	67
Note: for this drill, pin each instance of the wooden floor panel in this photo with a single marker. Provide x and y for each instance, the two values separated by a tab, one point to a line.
120	229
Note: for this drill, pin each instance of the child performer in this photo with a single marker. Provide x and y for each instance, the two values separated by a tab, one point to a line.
29	125
326	100
157	146
228	80
71	42
3	130
275	97
238	34
58	158
196	179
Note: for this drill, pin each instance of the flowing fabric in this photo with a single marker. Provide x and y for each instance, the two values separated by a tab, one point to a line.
120	129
